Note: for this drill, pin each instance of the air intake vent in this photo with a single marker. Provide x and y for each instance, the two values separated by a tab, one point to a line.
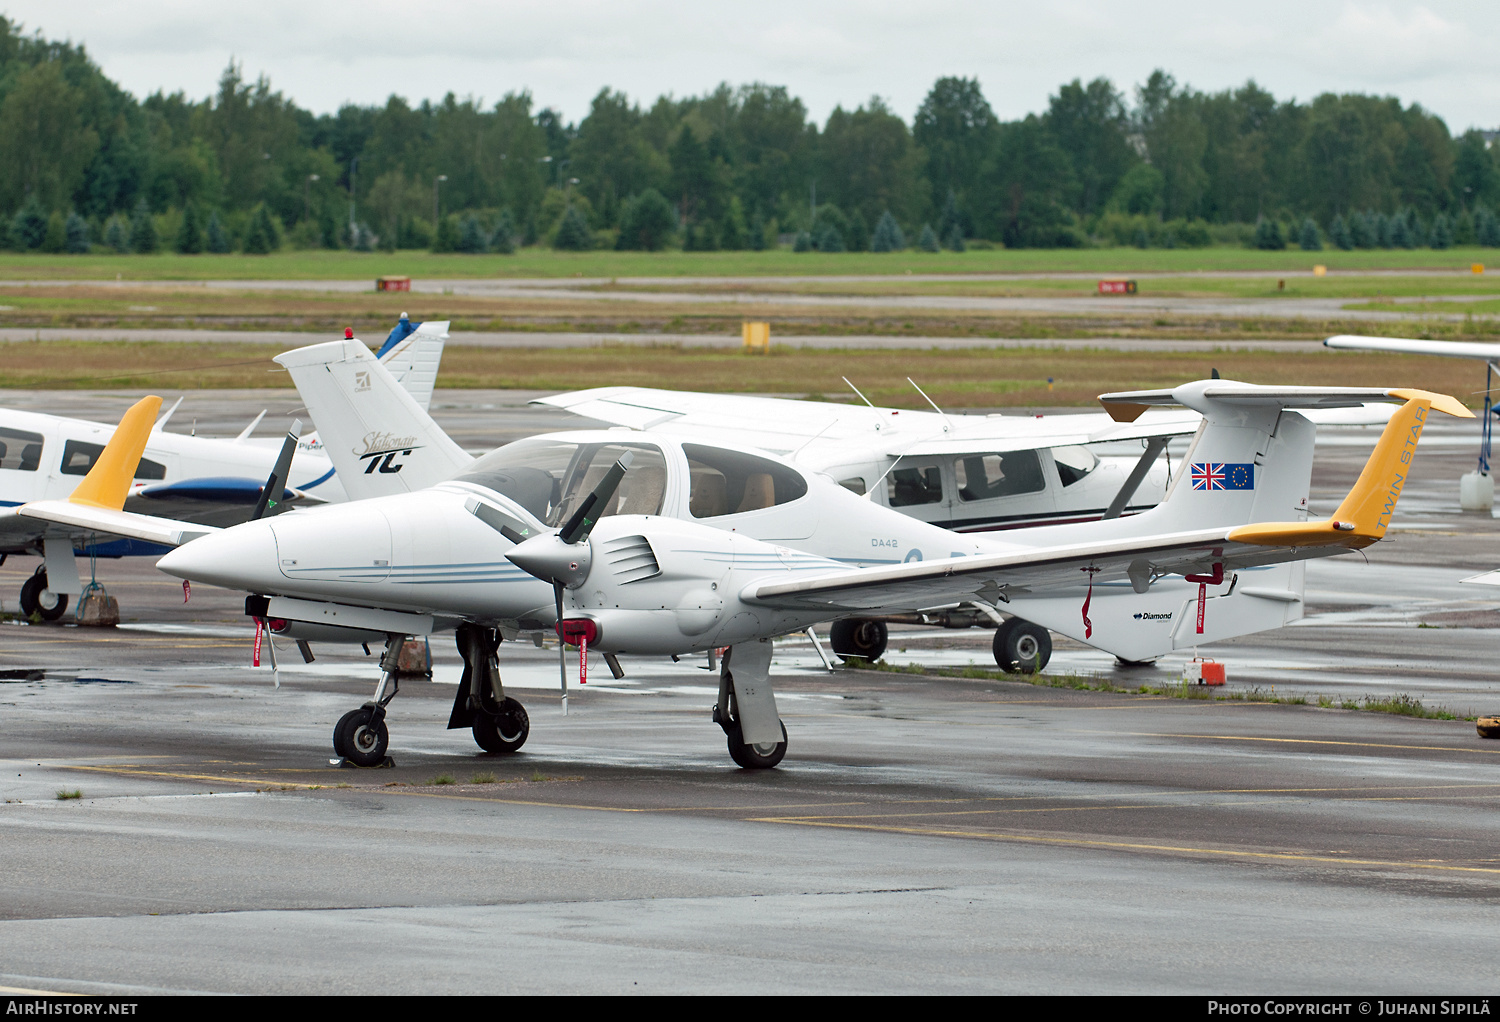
631	558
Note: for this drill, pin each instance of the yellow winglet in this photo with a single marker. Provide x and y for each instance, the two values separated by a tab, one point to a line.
1365	513
108	482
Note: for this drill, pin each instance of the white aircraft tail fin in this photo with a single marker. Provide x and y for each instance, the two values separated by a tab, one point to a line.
414	360
380	440
1251	460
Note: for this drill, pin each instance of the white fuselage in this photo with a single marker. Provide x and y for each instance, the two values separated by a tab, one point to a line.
44	457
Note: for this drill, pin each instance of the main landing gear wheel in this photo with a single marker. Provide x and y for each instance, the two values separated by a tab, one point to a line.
361	736
504	733
755	757
36	598
858	637
1022	647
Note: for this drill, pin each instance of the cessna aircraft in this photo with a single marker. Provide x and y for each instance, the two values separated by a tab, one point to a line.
193	478
645	544
966	473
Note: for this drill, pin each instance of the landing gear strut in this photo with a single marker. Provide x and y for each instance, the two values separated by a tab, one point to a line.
361	736
499	724
36	598
747	707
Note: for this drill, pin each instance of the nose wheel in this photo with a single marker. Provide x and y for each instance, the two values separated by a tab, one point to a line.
361	736
761	756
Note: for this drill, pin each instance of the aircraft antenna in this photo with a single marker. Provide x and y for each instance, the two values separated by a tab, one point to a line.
930	401
878	423
825	429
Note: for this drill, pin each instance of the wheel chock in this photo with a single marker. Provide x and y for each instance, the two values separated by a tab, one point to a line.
344	764
1488	727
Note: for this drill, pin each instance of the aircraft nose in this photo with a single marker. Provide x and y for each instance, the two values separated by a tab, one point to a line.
243	557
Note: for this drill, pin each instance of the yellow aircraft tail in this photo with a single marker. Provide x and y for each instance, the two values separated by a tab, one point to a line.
1365	513
108	482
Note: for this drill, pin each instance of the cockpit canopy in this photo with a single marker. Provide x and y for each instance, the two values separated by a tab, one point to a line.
548	476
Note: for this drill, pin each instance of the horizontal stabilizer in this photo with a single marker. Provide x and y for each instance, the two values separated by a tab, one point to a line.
1203	395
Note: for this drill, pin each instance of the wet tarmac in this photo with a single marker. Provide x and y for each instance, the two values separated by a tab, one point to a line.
922	835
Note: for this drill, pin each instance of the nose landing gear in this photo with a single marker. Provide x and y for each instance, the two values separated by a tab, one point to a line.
361	737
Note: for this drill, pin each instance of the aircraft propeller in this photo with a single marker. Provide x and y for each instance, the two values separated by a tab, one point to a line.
563	558
270	495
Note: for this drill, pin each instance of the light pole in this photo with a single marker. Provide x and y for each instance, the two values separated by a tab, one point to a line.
435	182
307	196
353	166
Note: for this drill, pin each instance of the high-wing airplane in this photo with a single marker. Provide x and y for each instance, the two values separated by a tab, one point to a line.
967	473
647	544
204	480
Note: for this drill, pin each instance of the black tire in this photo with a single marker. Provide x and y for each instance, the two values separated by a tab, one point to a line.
1022	647
754	757
36	598
858	637
360	739
505	733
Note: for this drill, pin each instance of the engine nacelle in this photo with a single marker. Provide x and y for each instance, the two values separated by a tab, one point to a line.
664	586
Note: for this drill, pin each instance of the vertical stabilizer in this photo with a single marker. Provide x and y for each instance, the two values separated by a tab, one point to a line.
378	437
414	360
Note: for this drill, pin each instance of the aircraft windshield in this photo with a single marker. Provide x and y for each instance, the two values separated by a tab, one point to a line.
549	477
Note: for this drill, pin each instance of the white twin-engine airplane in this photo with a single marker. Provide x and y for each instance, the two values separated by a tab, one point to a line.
204	480
647	544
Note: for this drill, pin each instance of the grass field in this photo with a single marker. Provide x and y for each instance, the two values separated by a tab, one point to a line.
547	263
983	378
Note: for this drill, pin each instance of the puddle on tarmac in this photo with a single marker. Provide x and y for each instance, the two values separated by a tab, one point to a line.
13	676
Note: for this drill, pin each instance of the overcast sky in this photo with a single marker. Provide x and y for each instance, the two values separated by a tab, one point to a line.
323	53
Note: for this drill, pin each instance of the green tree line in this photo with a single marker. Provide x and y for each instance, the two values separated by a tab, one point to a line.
89	166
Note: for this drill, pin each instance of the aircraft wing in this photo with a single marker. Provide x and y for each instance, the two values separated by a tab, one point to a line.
86	520
1413	346
992	578
782	425
213	500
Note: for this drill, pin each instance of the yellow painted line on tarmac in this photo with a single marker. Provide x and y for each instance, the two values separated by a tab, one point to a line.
1129	846
1299	741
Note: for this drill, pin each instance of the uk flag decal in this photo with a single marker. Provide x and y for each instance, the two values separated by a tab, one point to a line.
1221	475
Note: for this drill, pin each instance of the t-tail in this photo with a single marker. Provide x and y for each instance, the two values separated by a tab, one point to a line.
378	437
1248	468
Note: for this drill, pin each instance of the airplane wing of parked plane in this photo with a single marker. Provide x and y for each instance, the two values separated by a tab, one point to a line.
1415	346
783	425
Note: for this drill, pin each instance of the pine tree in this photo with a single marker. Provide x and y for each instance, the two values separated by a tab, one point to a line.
1384	230
928	241
859	233
1309	239
257	234
142	229
955	239
76	231
1338	233
57	234
647	222
573	234
190	234
757	232
1441	234
830	240
1486	227
503	240
115	235
29	227
1142	239
887	236
733	234
1416	232
1399	231
471	237
803	242
950	217
447	235
1268	235
218	239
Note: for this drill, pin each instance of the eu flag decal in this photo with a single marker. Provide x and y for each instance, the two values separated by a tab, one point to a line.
1221	475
